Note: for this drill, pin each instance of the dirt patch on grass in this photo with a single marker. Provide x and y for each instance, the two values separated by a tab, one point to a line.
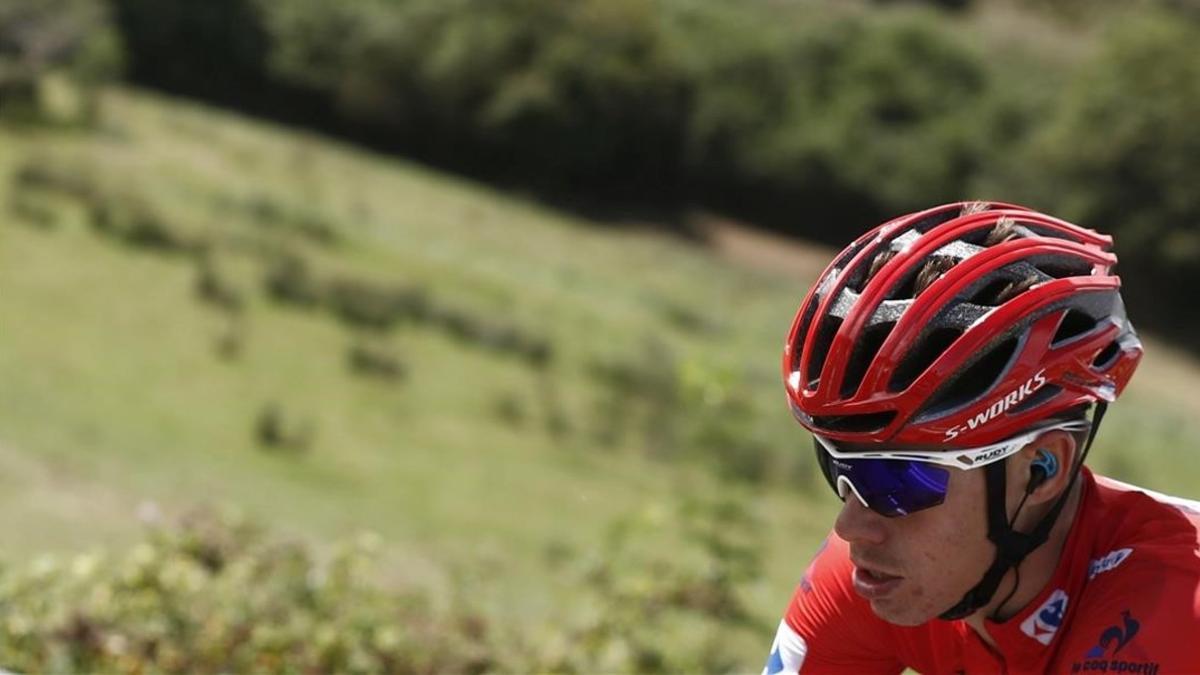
770	252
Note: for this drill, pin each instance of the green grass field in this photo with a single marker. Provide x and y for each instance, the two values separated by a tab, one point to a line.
112	391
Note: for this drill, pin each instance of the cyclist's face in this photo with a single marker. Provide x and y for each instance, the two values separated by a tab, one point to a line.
914	567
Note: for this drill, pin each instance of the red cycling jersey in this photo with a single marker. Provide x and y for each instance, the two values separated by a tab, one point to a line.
1125	598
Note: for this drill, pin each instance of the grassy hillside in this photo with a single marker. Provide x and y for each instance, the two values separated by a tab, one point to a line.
548	377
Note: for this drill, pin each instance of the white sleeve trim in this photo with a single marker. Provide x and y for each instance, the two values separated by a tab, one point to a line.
1188	505
787	651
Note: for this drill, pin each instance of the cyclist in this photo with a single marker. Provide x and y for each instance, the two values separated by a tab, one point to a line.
953	366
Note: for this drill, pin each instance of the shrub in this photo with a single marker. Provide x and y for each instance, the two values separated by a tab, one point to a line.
375	361
272	214
51	175
279	429
231	341
638	392
488	333
213	287
509	409
372	305
38	37
132	221
289	280
216	594
664	609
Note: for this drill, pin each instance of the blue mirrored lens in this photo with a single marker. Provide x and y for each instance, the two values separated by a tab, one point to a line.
891	487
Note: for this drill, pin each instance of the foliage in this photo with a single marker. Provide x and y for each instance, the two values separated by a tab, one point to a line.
846	114
1121	155
442	478
217	595
41	37
374	360
644	97
664	610
681	409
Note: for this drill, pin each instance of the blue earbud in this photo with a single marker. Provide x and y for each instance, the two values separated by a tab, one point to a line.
1047	462
1044	466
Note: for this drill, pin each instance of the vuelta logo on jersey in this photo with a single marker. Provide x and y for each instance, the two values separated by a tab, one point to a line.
1044	623
993	411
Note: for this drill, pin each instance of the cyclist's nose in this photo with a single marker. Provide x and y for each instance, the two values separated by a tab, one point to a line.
859	525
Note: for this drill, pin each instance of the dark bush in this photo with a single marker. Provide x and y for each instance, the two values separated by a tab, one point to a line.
289	280
132	221
213	287
278	429
44	173
231	341
510	410
376	361
272	214
41	36
488	333
372	305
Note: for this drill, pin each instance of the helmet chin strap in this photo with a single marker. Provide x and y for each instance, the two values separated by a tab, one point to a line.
1011	546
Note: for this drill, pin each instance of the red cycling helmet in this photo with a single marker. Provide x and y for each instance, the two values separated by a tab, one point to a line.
959	326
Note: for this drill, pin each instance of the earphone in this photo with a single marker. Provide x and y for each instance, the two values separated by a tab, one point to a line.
1044	466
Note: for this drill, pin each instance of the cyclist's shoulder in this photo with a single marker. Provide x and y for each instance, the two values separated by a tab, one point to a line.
1161	527
1141	594
1139	607
829	619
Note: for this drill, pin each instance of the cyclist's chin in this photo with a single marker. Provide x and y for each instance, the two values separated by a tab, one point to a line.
906	605
899	612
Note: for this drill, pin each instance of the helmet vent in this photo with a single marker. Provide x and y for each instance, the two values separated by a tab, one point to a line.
1107	357
919	278
864	353
974	382
1044	231
993	293
929	348
1046	393
934	219
820	348
1073	324
863	423
1062	267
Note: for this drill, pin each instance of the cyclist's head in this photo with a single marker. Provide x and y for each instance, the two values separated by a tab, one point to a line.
957	337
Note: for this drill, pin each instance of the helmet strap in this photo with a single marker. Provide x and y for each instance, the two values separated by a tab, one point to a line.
1011	546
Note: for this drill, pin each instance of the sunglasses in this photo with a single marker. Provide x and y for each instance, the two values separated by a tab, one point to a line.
899	482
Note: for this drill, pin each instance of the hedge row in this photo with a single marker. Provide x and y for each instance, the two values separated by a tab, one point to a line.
819	119
844	112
